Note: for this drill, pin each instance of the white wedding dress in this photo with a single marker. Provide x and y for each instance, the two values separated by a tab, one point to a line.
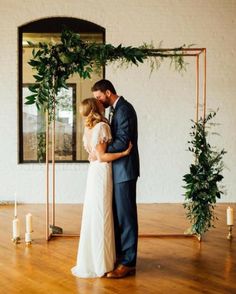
96	252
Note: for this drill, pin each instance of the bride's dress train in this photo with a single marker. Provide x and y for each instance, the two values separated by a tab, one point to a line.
96	253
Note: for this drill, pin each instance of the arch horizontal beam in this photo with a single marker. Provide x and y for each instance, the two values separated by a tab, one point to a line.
67	235
174	52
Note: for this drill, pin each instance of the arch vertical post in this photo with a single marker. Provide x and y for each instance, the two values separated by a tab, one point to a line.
197	88
47	174
53	154
204	84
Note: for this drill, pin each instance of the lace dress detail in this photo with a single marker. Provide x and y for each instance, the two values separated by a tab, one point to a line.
100	133
96	252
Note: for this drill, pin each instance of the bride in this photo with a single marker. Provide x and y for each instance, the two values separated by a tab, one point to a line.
96	253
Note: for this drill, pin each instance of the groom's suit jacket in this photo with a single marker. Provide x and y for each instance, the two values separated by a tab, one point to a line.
124	128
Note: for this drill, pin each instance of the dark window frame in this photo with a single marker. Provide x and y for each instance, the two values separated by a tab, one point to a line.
49	25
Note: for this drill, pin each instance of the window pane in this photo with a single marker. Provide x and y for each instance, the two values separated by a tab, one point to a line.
65	125
34	128
31	126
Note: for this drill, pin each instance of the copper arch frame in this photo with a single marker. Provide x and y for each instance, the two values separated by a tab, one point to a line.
194	52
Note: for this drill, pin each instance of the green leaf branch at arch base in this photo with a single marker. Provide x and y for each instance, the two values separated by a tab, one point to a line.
202	182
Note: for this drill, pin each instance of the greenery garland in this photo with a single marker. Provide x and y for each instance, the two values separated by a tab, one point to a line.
55	63
201	188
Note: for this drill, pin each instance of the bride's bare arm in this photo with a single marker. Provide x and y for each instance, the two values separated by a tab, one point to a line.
102	156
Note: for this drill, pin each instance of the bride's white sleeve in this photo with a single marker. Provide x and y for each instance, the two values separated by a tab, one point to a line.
101	134
85	141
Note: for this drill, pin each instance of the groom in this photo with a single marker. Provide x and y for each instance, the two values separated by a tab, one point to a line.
123	120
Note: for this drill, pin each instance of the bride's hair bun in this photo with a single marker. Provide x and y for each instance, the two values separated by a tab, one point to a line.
90	110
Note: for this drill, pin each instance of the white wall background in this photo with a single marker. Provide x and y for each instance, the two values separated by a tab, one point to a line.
164	101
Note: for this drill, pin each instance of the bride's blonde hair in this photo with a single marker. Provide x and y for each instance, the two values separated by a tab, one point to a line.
90	110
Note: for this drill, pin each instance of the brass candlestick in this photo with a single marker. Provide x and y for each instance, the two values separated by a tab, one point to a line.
16	240
230	235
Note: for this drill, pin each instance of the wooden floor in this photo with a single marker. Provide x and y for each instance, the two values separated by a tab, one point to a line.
165	265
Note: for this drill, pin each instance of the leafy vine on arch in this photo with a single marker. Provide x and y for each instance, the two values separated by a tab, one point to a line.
54	63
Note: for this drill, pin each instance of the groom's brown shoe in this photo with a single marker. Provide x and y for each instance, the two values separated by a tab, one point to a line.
121	271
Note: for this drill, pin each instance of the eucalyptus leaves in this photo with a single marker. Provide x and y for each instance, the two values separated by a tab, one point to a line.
55	63
201	188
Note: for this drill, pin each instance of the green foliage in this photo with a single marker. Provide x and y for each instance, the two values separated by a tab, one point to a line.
54	63
41	146
201	188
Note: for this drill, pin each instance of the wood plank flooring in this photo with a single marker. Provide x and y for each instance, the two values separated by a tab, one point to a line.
165	265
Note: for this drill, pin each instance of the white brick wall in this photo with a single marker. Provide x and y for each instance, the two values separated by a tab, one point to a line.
164	102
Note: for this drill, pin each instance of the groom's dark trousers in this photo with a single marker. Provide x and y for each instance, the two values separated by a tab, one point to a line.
125	173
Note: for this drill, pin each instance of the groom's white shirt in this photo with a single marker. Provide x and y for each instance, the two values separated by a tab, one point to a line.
114	104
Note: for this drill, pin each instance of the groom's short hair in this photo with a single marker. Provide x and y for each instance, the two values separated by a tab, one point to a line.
102	86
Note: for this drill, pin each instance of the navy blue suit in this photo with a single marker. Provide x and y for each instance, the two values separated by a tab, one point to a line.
124	128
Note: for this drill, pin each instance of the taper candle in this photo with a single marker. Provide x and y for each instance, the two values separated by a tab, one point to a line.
230	216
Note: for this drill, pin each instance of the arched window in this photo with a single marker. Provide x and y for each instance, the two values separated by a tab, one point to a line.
69	129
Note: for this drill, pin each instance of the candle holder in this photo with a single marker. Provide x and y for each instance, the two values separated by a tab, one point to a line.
28	239
230	234
16	230
16	240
